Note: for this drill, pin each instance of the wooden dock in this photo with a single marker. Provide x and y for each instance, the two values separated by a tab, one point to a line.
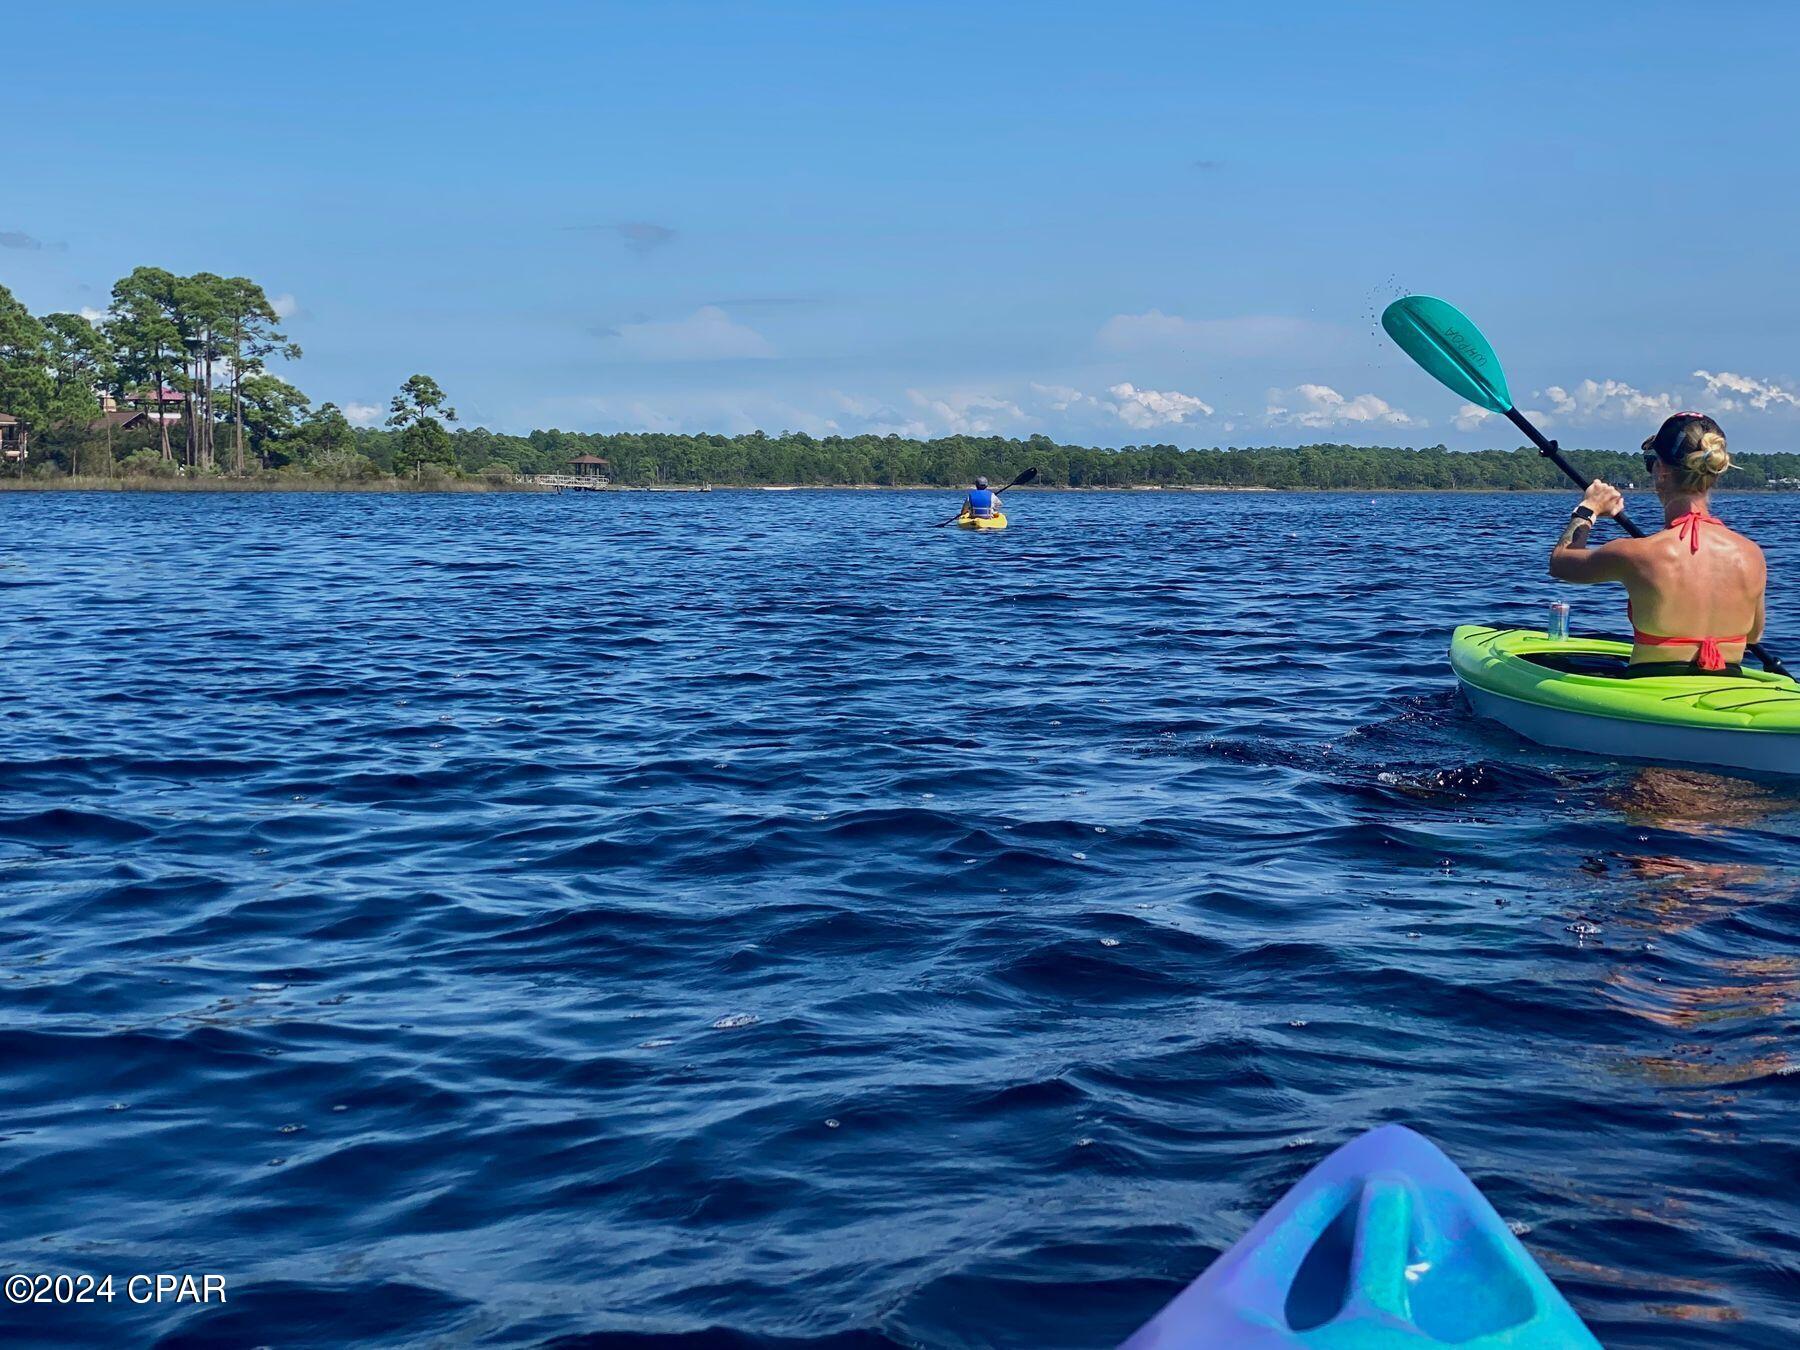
570	482
567	482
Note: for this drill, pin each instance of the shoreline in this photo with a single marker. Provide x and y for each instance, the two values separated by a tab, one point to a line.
401	487
252	485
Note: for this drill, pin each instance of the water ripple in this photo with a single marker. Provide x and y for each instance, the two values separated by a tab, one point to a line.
516	921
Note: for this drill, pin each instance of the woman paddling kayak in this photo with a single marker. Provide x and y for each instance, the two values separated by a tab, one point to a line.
1696	587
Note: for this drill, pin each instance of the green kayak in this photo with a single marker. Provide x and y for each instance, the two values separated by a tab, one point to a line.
1568	693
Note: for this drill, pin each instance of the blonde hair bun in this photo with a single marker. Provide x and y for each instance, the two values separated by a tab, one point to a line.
1692	446
1711	459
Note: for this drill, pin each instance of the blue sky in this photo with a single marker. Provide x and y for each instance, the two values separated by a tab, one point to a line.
1114	224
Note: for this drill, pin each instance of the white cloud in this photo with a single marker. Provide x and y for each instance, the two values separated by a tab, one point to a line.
733	413
1604	400
918	413
1614	400
708	334
875	417
92	315
1323	406
1060	397
1469	417
363	414
285	306
1145	408
1137	408
1730	392
968	414
923	413
1250	335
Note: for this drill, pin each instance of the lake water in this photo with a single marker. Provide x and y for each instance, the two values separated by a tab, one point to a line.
764	920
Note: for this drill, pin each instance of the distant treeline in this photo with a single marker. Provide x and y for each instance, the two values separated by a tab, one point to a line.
324	446
645	458
172	381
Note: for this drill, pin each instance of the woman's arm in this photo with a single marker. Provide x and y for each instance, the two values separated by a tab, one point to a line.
1572	559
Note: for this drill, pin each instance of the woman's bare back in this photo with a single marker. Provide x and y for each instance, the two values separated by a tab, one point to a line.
1680	589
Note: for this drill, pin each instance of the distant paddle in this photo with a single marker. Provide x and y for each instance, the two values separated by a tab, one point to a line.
1029	476
1452	350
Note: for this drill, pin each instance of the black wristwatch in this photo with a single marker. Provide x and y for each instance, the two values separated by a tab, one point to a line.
1583	512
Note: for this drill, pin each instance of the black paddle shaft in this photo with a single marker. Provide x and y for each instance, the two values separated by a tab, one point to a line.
1551	451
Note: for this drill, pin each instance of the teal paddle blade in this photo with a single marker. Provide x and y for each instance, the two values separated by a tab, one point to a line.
1440	338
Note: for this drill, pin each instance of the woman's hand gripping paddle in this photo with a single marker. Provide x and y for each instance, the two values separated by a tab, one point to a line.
1452	350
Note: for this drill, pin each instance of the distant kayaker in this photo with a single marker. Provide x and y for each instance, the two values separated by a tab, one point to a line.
1696	587
982	502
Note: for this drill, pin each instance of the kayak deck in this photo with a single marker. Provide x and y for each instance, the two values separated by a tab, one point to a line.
1383	1246
997	521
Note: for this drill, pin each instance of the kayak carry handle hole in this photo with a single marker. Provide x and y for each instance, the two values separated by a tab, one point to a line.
1422	1257
1321	1286
1471	1289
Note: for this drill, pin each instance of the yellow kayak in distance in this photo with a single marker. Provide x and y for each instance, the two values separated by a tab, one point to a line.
997	521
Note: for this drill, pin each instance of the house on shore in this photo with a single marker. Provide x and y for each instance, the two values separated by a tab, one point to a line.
15	440
122	419
159	406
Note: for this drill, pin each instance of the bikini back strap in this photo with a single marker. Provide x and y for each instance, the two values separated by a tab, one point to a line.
1709	658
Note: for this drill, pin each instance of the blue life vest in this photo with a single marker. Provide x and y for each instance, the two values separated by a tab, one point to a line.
981	503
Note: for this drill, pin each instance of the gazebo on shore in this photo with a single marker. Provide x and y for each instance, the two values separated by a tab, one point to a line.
590	466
